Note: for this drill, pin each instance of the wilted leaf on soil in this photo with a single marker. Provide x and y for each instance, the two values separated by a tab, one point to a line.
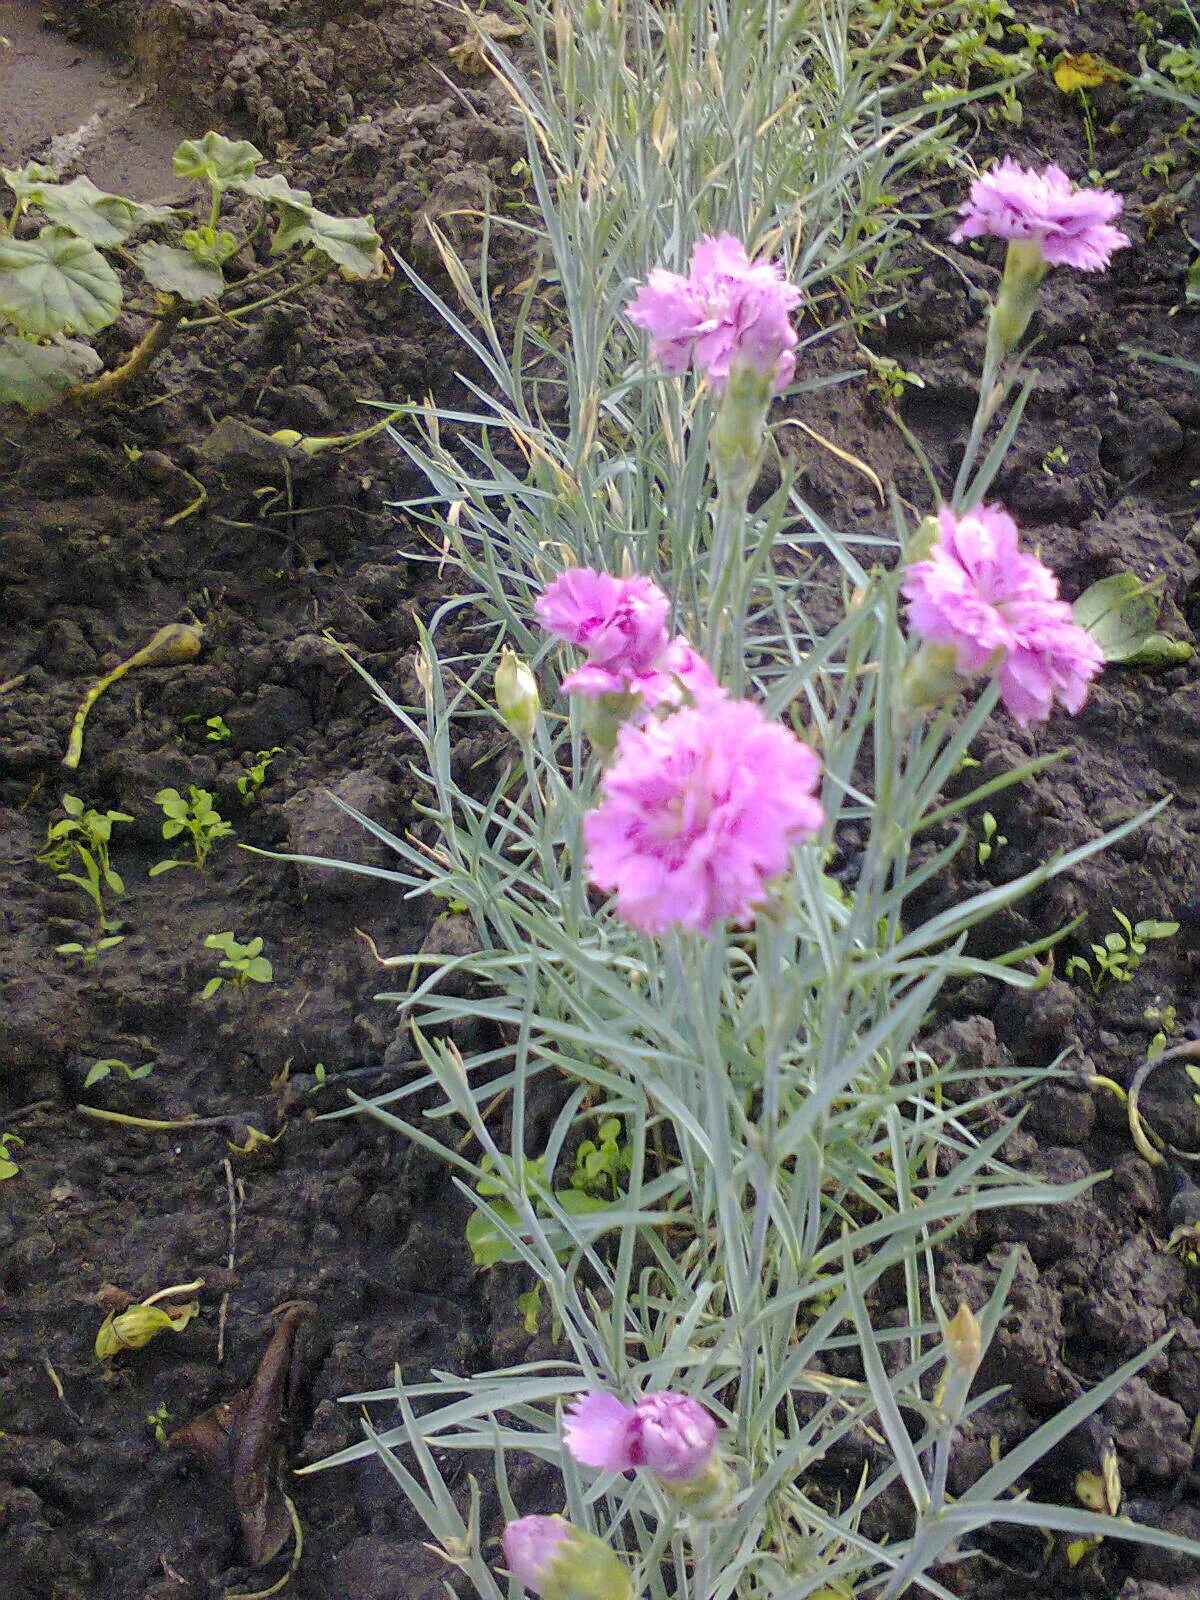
1084	71
293	204
470	57
57	283
240	1438
36	376
135	1327
1120	613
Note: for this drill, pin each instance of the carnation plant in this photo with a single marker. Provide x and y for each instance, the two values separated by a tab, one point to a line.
698	885
62	244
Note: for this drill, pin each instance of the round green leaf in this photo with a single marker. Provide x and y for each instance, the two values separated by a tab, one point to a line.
216	159
90	213
56	283
175	271
36	376
350	242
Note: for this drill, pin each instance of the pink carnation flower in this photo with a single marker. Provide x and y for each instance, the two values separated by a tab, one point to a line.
998	608
670	1434
621	625
620	622
697	812
728	311
1071	227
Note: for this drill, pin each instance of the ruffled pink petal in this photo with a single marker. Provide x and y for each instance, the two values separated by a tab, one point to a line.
597	1432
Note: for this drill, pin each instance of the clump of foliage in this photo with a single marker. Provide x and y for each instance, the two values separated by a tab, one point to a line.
198	817
62	244
240	964
1120	954
76	851
251	781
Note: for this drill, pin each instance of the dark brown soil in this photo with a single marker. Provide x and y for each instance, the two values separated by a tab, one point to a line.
353	100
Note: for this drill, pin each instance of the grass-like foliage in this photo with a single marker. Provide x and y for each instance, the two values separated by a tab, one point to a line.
788	1150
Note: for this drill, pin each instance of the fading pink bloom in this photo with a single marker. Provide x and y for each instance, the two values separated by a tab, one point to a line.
998	609
679	673
728	311
1071	227
621	625
620	622
670	1434
697	812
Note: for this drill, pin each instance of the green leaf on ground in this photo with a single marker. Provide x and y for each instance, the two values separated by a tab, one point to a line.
292	204
219	161
36	376
90	213
57	283
351	243
1120	613
175	271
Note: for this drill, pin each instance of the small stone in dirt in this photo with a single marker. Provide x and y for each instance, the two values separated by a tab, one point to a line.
1065	1114
373	1568
317	826
1036	1024
1149	1430
307	409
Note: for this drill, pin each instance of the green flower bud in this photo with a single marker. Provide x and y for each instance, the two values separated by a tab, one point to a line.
517	695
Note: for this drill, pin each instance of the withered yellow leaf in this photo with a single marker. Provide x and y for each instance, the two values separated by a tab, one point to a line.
1085	71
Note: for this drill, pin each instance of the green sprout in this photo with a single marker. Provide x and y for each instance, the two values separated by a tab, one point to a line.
599	1165
241	964
198	817
99	1070
1120	955
8	1167
1165	1021
1057	457
80	840
992	840
157	1420
887	378
255	775
218	730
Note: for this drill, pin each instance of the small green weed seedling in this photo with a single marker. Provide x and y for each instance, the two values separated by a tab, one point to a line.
59	287
887	378
992	840
8	1167
255	775
600	1164
81	840
489	1245
1165	1021
198	817
1119	957
157	1420
218	730
240	964
99	1070
1057	457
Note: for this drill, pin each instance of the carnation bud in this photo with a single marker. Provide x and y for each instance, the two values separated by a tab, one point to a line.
560	1562
740	428
930	679
964	1339
516	695
1024	269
